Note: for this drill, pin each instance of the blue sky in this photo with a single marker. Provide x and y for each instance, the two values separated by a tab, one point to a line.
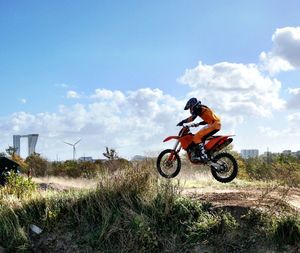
49	48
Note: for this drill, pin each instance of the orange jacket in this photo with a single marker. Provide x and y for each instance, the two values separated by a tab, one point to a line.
208	116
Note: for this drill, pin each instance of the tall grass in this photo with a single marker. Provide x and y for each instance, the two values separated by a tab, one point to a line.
129	211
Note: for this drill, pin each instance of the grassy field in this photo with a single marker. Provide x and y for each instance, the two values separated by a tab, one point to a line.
136	211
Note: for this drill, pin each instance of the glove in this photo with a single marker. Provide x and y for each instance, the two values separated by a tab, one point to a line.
194	125
180	123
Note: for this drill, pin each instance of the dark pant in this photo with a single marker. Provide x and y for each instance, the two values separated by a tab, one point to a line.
209	134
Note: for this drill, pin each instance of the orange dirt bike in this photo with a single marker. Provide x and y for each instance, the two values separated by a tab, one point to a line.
224	167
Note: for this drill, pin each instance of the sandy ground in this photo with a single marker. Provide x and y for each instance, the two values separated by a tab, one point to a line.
258	198
202	186
62	183
241	193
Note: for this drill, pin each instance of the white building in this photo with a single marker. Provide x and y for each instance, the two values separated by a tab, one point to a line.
249	153
32	140
85	159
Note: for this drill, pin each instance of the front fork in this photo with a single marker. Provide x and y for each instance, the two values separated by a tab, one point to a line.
176	149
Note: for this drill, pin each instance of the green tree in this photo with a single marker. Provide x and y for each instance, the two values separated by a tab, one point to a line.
37	165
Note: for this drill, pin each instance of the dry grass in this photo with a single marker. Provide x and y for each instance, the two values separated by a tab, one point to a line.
187	179
74	183
200	177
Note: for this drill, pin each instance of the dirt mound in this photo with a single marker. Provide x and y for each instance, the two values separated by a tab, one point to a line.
257	198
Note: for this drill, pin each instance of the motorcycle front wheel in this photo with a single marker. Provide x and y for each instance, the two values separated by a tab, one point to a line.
168	163
225	169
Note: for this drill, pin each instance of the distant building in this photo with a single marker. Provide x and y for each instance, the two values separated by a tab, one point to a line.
267	153
297	153
287	152
86	159
249	153
32	140
138	158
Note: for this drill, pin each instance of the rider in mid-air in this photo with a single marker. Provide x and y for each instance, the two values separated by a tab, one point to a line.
210	119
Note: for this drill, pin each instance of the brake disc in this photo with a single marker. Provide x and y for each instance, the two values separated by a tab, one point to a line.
223	167
168	164
219	166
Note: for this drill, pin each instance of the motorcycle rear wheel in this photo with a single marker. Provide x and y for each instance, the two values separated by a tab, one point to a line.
166	168
228	167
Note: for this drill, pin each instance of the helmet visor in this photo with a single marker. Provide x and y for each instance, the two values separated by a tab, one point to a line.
190	103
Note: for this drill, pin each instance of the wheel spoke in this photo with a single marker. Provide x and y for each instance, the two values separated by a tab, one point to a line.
227	169
168	163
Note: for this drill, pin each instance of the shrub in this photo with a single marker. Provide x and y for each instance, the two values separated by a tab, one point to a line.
37	165
257	169
283	169
254	217
287	230
87	169
19	186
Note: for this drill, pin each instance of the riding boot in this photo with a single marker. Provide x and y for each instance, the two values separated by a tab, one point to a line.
194	155
203	155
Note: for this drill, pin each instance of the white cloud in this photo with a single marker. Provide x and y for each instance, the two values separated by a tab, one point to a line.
294	102
140	122
117	95
294	123
62	85
23	101
274	64
291	130
236	90
285	54
287	44
72	94
294	91
269	132
136	121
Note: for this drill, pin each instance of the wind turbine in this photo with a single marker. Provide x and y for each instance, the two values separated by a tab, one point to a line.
74	147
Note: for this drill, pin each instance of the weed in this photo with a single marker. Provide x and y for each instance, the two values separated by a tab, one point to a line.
18	186
287	230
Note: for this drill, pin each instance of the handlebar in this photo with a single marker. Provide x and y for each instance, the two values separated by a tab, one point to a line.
192	125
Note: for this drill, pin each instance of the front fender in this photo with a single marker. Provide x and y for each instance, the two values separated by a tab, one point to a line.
171	137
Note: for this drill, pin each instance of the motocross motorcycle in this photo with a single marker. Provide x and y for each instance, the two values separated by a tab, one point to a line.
224	167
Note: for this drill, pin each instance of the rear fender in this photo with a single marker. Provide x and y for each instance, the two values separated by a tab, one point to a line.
171	137
218	141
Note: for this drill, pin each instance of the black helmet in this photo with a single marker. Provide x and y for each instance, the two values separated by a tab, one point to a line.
191	103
